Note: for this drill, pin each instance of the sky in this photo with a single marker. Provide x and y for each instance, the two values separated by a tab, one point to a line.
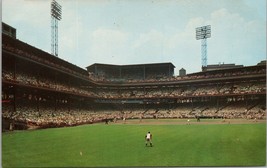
124	32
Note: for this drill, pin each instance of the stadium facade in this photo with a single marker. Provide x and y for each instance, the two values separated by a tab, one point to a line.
40	90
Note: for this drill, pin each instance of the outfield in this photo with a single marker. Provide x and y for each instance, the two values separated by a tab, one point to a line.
175	144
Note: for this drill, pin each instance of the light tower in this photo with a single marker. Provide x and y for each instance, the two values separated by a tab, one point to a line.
203	33
55	17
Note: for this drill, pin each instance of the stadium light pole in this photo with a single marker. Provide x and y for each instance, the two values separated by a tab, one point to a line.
55	17
202	33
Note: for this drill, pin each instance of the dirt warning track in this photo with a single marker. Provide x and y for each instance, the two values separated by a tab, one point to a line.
187	121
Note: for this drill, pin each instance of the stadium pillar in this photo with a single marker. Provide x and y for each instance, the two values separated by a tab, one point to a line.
14	98
144	72
169	71
68	103
246	102
95	69
14	87
38	102
120	72
192	104
55	103
217	104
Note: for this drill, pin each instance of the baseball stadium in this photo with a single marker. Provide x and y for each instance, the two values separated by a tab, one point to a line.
56	114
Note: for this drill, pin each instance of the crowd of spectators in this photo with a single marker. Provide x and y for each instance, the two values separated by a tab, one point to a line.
27	79
179	91
46	116
49	117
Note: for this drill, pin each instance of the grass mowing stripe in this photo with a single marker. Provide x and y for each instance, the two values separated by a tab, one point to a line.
124	145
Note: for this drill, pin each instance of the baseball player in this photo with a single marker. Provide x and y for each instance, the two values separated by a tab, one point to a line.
148	138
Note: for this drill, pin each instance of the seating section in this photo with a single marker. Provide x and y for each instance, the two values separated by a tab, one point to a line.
62	116
241	88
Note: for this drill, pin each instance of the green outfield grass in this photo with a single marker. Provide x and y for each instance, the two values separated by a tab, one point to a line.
124	145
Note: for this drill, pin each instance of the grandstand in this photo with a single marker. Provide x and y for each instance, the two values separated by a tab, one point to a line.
40	90
130	72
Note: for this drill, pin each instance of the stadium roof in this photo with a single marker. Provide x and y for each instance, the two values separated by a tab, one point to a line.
40	53
133	65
